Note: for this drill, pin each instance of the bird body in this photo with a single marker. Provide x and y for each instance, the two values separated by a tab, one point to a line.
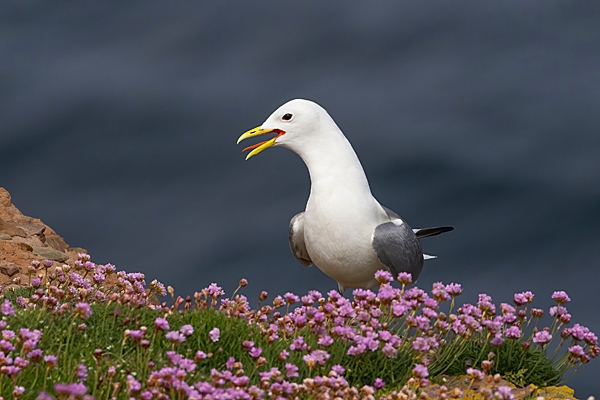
344	231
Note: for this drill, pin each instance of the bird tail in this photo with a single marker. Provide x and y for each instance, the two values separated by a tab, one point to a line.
428	256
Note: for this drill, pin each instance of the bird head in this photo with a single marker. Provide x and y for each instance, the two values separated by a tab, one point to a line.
294	124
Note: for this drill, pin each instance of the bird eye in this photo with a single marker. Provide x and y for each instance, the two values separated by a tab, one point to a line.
287	117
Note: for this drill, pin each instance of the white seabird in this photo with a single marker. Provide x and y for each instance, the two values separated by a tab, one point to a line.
344	231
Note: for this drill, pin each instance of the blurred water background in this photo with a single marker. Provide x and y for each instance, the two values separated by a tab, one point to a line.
118	123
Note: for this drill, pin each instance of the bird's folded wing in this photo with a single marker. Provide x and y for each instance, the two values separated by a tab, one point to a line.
422	232
296	237
398	248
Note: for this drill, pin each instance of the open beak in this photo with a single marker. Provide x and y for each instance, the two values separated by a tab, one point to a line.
258	147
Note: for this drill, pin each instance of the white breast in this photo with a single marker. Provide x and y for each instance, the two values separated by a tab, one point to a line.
338	227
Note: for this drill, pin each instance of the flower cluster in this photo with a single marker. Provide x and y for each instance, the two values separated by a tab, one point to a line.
321	340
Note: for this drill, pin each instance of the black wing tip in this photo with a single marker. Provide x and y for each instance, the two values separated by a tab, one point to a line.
426	232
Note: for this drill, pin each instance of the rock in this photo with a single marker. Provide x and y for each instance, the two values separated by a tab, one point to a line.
78	250
9	269
20	235
4	197
32	228
10	228
56	242
24	247
51	254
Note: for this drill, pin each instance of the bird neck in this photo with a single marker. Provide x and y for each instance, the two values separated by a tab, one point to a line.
333	164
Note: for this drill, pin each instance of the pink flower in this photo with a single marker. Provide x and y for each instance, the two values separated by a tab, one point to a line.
298	344
513	332
214	334
420	344
420	371
454	289
291	298
576	351
523	298
175	337
83	310
6	308
389	351
82	372
405	278
504	393
213	290
325	340
561	297
291	370
186	330
284	355
200	355
542	338
230	363
161	324
338	369
255	352
383	276
475	374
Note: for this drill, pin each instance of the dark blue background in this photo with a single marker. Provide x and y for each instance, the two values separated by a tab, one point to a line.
118	123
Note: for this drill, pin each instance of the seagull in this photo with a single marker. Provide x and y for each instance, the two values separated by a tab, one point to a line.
344	230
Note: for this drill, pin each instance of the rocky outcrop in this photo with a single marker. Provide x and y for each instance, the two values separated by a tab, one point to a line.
24	239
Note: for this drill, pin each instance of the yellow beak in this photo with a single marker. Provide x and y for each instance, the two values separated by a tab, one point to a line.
257	148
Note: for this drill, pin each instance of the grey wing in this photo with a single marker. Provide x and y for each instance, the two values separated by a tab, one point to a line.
398	248
296	237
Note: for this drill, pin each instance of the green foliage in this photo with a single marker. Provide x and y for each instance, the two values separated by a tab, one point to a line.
107	326
511	361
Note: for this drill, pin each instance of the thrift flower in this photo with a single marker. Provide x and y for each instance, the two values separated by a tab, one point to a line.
379	383
186	330
420	371
504	393
291	298
454	289
82	372
83	310
561	297
6	308
542	338
558	310
284	355
291	370
50	360
71	389
513	332
338	369
383	276
214	334
475	374
214	290
200	355
255	352
18	391
161	324
405	278
175	337
523	298
576	351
